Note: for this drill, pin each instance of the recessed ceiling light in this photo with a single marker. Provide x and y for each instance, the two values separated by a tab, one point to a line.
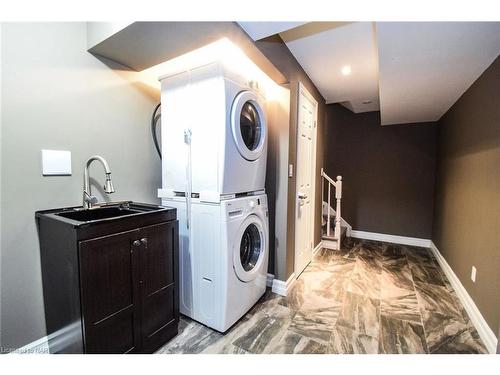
346	70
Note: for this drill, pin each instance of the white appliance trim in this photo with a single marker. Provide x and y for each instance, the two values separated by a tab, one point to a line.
487	335
412	241
282	287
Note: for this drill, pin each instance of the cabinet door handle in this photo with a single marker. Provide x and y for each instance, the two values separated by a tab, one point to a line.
136	243
144	241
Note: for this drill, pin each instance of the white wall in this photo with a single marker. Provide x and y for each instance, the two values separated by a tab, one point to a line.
58	96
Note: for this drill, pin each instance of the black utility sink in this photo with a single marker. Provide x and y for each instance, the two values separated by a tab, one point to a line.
106	213
97	213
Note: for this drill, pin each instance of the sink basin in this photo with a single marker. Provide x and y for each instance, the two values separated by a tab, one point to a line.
107	213
97	213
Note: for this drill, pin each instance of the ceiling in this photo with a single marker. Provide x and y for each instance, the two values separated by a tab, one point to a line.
324	48
424	67
410	71
260	30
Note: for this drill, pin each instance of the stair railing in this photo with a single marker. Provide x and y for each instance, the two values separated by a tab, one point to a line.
337	185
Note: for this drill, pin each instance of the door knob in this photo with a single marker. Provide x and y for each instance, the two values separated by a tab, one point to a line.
136	243
144	241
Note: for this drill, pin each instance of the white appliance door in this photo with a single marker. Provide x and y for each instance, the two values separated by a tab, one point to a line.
249	248
305	175
248	125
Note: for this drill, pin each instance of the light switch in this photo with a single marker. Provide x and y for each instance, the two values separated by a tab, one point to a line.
56	163
290	170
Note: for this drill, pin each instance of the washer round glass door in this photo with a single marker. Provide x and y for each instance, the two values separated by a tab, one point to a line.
248	125
249	249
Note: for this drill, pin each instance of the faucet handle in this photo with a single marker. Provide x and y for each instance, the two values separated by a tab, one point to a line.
92	199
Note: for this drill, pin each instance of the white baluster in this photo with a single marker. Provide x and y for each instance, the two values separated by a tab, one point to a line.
328	212
338	197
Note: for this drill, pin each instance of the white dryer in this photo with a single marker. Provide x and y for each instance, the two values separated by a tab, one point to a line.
214	133
223	255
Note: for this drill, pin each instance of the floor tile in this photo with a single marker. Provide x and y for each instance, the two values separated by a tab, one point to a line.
396	279
436	298
193	338
402	307
369	297
448	334
361	314
317	324
364	281
263	330
294	343
401	337
346	341
426	274
419	255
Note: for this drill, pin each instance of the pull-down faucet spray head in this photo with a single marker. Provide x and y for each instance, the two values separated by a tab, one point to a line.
88	198
108	185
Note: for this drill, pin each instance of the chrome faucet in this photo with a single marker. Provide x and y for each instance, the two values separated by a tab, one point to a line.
88	199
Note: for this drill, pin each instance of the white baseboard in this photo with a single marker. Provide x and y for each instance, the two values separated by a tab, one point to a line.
318	246
269	281
282	287
67	336
40	346
487	335
412	241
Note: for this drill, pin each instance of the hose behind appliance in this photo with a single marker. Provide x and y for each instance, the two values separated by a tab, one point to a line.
154	125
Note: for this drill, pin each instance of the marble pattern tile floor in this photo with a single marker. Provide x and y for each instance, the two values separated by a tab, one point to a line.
370	297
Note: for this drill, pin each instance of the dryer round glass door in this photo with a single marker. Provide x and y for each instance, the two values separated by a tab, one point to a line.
249	249
248	125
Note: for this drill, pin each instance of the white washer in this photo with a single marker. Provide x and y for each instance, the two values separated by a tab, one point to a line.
223	256
221	111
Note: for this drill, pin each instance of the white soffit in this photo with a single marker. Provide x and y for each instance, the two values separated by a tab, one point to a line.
324	48
260	30
425	67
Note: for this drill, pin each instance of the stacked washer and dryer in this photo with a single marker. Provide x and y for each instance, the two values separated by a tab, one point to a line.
214	142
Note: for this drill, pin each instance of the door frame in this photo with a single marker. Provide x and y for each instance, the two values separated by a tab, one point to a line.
301	89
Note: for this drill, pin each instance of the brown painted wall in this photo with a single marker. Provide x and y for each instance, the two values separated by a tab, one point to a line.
467	210
388	172
276	51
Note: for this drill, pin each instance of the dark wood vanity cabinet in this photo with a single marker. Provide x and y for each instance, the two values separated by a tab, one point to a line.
121	286
129	303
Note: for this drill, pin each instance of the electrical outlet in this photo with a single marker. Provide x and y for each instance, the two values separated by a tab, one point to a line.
473	274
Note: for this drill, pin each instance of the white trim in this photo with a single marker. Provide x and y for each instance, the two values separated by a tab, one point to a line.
63	338
40	346
269	280
412	241
308	96
330	244
282	287
317	247
487	335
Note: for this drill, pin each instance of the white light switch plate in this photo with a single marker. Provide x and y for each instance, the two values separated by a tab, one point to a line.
290	170
56	163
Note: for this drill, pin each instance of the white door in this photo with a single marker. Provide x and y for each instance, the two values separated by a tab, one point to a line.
306	166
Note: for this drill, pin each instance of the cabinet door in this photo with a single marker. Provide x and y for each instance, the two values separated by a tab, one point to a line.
159	293
109	293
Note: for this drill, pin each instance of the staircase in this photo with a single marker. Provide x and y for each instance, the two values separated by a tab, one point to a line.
334	228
